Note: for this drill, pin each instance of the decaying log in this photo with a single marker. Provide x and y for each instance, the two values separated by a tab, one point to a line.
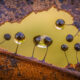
31	69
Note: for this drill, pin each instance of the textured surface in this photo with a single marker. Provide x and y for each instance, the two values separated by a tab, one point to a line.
16	10
31	69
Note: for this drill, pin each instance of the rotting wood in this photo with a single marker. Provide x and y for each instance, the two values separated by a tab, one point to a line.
31	69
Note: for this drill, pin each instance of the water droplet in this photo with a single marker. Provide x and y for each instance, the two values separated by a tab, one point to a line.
42	41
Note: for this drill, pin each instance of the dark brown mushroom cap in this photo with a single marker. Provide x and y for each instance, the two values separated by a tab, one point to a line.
48	41
69	38
64	47
36	39
77	46
60	22
7	36
19	36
